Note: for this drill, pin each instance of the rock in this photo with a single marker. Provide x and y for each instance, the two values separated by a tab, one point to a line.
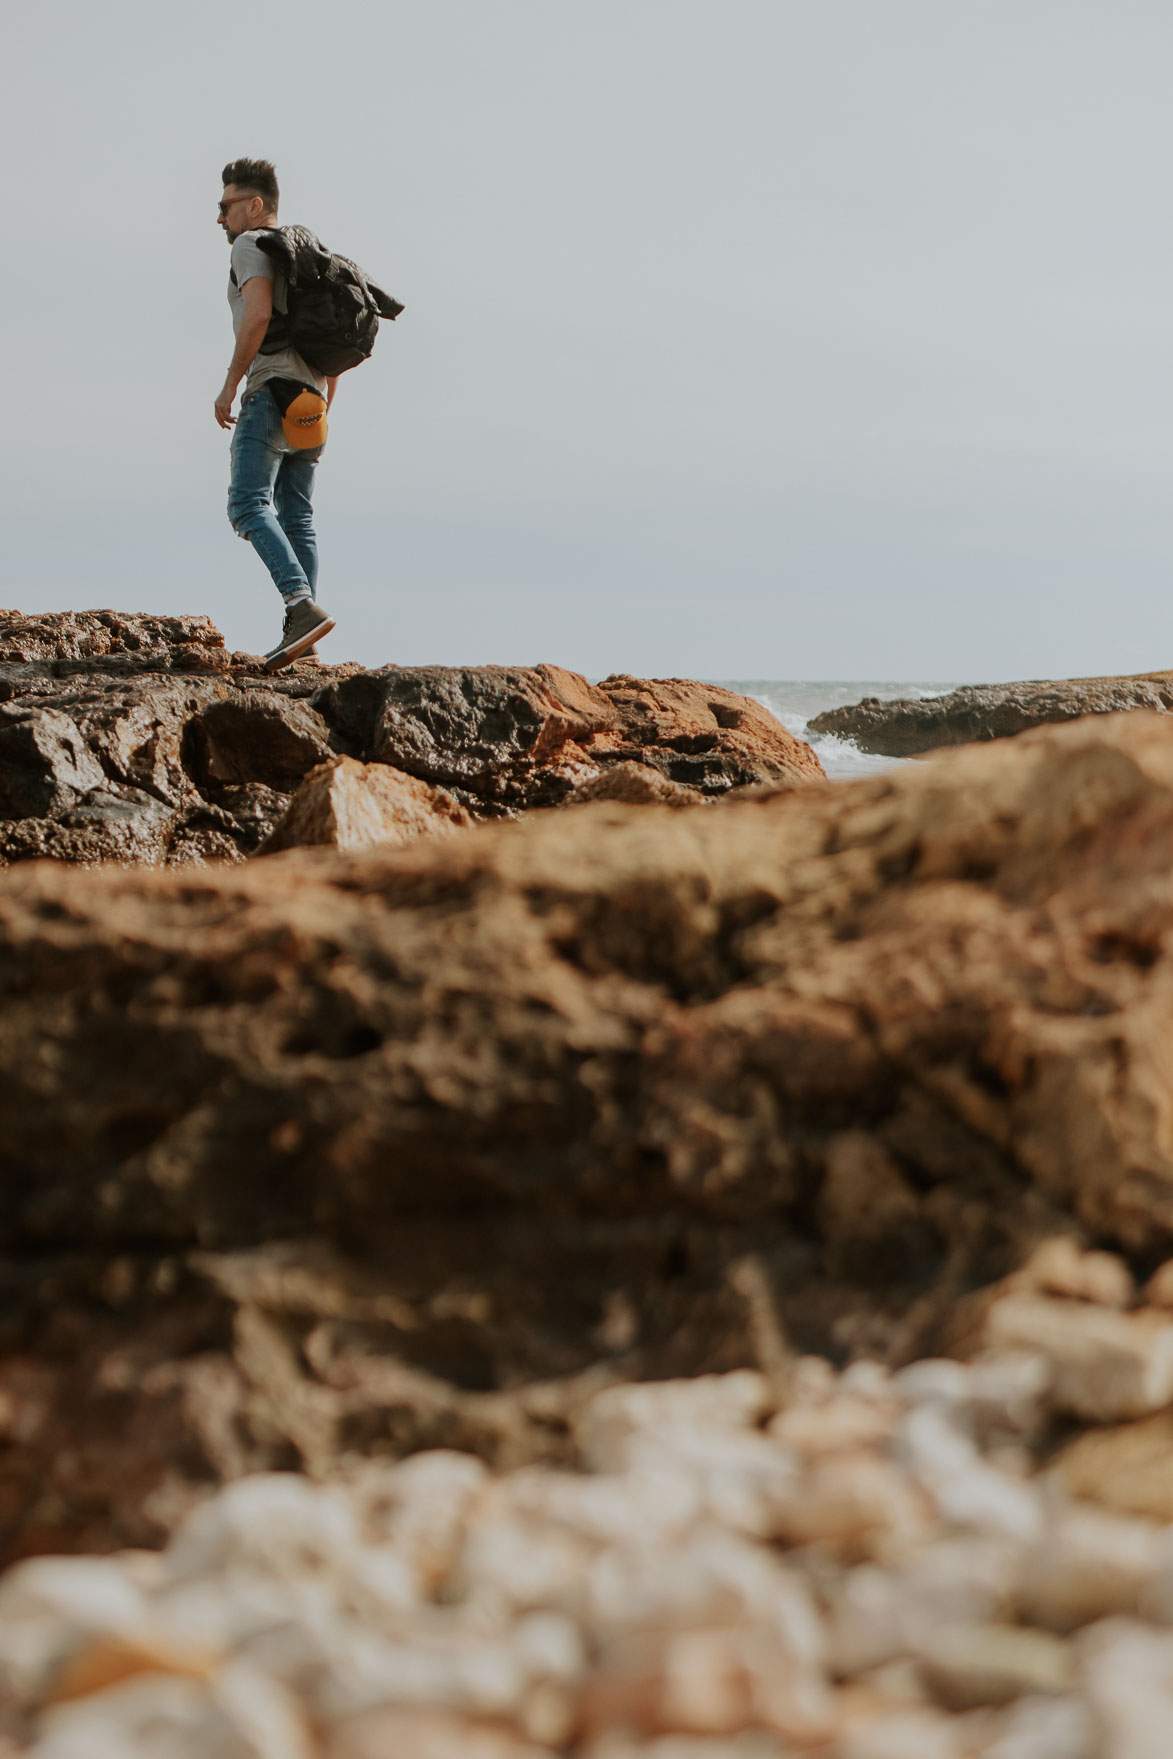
421	1508
255	737
44	763
901	1734
611	1418
1127	1679
1124	1467
51	1606
242	1715
1105	1365
120	641
881	1614
364	1154
1158	1291
905	727
636	784
504	737
973	1665
1047	1728
968	1492
706	1682
275	1522
118	717
1059	1267
427	1734
700	735
750	1745
347	805
107	1661
1087	1566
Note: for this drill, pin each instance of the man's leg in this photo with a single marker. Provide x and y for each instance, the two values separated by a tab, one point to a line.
293	500
257	454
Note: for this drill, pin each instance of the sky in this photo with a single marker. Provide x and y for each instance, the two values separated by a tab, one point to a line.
769	339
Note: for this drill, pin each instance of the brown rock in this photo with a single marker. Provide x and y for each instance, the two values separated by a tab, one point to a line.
111	640
1127	1468
485	1088
114	749
906	727
973	1665
636	784
347	805
427	1734
701	735
1060	1267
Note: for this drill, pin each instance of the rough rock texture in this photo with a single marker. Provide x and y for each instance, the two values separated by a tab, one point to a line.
140	739
329	1154
905	727
348	805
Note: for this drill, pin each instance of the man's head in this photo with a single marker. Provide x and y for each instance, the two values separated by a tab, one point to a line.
250	197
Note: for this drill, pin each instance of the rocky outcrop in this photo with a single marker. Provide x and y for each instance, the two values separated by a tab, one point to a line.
141	739
906	727
330	1154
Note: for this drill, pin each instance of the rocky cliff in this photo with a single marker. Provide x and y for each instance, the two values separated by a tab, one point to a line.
906	727
138	738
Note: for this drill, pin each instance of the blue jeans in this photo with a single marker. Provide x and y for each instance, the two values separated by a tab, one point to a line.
269	496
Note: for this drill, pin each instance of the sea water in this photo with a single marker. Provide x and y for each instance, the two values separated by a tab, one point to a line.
796	703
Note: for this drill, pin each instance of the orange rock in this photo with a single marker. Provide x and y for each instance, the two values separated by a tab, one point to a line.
347	805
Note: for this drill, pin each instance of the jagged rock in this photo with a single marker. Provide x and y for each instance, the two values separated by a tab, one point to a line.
347	805
58	643
106	704
905	727
44	763
255	737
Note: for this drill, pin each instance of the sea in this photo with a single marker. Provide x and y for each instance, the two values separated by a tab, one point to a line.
797	702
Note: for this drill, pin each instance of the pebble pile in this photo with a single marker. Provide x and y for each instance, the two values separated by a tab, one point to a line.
952	1560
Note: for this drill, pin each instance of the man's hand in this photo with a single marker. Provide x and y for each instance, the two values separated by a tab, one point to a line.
223	406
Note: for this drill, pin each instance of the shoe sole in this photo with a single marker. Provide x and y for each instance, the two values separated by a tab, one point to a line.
294	651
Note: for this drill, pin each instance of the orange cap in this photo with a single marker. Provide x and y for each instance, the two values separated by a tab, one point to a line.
304	422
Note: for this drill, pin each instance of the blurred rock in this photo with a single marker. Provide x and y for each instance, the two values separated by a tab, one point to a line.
973	1665
1086	1566
905	727
1060	1267
1126	1468
1126	1676
1105	1365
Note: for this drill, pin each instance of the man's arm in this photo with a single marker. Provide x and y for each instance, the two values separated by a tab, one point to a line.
257	293
331	387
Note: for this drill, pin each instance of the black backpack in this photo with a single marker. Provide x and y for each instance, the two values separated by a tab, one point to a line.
333	306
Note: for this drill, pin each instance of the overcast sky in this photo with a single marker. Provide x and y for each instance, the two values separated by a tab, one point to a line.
770	339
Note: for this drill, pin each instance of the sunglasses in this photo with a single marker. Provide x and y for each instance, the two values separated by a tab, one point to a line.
231	203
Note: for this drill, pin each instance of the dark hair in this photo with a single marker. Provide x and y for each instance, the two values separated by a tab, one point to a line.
257	174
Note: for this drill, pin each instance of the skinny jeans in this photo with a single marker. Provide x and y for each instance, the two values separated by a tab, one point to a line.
270	496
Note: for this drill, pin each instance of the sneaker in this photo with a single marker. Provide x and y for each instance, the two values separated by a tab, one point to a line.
305	624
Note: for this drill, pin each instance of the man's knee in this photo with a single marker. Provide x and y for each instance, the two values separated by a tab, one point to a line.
244	510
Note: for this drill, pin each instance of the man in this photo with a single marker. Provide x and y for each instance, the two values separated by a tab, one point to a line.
272	479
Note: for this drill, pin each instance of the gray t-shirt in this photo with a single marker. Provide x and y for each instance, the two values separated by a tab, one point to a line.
248	259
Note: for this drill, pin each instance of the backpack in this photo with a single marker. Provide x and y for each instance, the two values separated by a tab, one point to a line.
333	307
